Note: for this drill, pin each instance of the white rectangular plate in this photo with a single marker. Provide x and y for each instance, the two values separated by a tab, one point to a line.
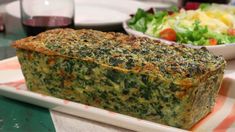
16	89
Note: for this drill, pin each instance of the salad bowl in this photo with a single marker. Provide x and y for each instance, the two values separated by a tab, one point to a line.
211	26
225	50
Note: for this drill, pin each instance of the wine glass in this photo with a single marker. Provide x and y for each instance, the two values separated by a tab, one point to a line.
40	15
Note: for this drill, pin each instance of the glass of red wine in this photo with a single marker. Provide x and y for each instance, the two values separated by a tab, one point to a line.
40	15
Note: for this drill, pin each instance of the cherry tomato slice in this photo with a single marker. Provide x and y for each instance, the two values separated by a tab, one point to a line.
168	34
213	41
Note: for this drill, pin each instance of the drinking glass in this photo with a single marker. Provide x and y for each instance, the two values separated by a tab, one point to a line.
40	15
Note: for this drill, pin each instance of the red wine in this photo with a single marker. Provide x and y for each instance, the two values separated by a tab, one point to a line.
37	24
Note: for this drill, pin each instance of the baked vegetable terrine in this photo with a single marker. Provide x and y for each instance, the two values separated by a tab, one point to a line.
169	84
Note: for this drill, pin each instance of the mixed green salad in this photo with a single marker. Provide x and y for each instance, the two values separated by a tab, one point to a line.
210	24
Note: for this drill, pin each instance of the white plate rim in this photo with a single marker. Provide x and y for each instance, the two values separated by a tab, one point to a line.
111	3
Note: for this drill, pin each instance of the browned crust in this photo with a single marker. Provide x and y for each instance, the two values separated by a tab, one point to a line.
30	44
35	43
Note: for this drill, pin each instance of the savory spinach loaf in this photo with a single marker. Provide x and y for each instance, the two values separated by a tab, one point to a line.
169	84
